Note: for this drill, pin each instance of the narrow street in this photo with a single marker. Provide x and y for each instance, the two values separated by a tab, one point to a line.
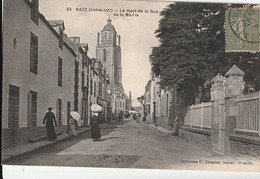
126	144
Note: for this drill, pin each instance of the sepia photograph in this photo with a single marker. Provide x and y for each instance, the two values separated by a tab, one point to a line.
114	85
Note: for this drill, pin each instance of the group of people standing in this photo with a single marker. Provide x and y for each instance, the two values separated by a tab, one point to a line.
50	122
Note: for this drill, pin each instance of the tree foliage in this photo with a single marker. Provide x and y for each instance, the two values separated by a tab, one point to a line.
192	48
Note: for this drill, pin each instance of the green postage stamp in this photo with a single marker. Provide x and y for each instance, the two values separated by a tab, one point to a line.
243	30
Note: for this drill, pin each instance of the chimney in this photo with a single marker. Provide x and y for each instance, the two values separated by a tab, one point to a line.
98	36
130	95
86	49
35	11
35	4
75	39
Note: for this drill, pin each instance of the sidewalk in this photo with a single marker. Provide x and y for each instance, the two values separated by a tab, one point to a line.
23	149
160	129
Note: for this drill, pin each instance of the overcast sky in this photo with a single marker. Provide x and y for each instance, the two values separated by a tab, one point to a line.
137	33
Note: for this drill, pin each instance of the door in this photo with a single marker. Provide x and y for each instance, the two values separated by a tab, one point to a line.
154	112
84	112
68	113
13	112
59	112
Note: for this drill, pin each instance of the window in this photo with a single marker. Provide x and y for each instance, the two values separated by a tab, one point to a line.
32	109
91	86
157	108
35	11
95	88
61	39
83	79
87	65
83	61
60	72
104	55
105	35
100	89
34	54
59	111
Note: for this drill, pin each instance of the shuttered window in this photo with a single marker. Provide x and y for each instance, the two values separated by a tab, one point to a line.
59	111
34	54
95	88
91	86
100	89
60	72
32	109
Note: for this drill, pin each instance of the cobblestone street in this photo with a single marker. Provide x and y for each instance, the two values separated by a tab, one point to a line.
129	144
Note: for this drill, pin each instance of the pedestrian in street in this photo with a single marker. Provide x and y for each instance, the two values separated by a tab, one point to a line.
137	118
176	126
95	129
72	127
131	116
49	119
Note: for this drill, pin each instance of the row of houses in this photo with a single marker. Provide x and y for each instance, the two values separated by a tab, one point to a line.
43	67
229	123
156	103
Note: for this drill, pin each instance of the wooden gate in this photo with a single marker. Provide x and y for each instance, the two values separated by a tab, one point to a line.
218	127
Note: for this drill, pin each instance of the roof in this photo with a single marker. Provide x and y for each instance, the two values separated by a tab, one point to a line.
109	26
41	16
218	78
235	71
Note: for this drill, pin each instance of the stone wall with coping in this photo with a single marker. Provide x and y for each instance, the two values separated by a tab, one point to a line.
198	136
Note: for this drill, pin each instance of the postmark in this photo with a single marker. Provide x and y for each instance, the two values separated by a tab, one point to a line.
243	30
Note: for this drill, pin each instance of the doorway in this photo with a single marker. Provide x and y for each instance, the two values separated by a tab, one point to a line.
85	111
13	112
68	114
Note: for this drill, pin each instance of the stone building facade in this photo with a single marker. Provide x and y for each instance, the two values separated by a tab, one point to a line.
155	99
37	73
81	80
108	52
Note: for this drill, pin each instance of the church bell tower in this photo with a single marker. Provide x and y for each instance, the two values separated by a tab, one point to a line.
108	51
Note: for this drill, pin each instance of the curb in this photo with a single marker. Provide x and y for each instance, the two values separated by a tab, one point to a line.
8	159
159	131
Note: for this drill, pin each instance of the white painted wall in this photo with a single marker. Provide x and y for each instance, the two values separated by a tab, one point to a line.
16	62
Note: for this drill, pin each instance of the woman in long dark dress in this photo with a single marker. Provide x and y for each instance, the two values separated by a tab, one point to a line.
95	129
49	118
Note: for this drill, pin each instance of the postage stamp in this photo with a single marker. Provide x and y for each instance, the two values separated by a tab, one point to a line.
243	30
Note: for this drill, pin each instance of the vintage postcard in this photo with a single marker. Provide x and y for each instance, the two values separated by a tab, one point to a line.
131	85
